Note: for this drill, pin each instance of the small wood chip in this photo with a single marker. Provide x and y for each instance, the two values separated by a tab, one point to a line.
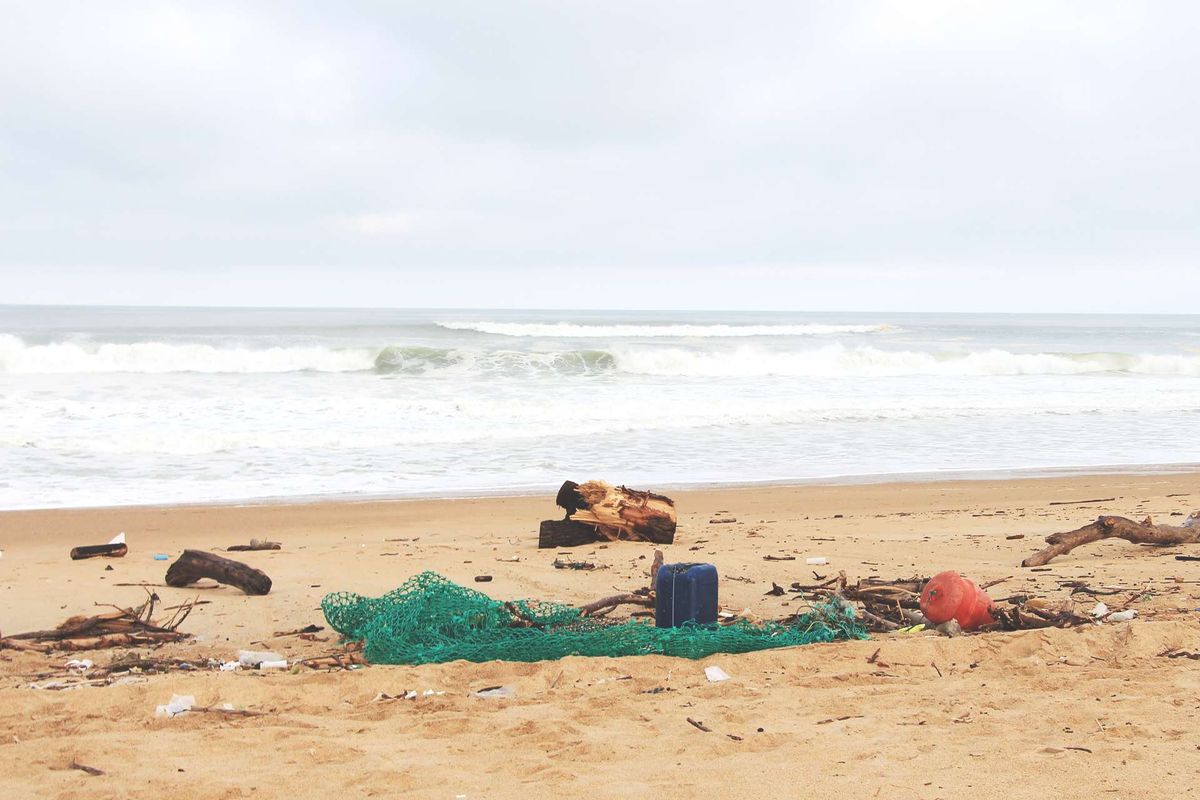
695	723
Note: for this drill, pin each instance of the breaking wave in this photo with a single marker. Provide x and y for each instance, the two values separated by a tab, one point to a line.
713	361
567	330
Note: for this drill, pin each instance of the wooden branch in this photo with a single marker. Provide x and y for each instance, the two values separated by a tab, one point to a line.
613	601
196	564
255	544
1106	527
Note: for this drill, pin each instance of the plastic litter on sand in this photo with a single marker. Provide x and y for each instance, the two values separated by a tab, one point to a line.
433	620
180	704
715	674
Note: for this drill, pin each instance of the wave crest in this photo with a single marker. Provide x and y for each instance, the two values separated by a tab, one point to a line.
568	330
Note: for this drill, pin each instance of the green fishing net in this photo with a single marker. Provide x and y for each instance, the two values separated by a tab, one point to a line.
431	619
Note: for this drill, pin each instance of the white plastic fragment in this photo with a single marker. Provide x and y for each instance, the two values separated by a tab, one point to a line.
252	658
118	539
1122	616
230	666
277	664
715	674
81	664
816	561
1100	610
180	704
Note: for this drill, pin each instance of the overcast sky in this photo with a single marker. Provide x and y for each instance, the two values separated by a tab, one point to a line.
836	155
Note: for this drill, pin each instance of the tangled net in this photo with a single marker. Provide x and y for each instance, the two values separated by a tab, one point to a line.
431	620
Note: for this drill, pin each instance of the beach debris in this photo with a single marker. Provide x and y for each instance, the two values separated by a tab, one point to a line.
1180	654
816	561
161	557
496	692
349	658
196	564
122	627
949	628
99	551
948	596
597	511
1110	527
1080	502
299	631
695	723
1122	616
1100	610
572	564
79	664
255	544
93	771
721	520
483	578
775	591
715	674
179	704
257	658
770	557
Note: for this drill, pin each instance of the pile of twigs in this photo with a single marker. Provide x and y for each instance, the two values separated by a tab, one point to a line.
121	627
889	605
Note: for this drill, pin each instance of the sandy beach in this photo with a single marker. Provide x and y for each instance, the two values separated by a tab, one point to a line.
1091	712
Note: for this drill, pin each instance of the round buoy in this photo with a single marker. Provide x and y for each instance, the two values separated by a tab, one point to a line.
949	595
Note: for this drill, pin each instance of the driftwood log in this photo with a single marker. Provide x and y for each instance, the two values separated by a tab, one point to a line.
255	544
599	512
94	550
1106	527
196	564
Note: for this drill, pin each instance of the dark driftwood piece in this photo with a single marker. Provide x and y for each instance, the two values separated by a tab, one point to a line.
94	550
565	533
196	564
255	544
1145	532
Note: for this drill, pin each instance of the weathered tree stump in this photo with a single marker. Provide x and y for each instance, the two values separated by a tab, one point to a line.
196	564
1145	532
619	512
95	550
598	512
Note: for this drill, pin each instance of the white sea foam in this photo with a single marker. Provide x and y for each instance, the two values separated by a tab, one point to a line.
837	360
568	330
19	358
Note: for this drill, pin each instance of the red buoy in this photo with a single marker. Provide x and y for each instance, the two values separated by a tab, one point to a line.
949	595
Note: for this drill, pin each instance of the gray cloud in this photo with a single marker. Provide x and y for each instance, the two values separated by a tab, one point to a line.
931	144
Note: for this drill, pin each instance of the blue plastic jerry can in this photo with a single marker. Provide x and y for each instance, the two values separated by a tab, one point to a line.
685	593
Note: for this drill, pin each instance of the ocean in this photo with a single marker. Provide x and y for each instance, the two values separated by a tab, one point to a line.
117	406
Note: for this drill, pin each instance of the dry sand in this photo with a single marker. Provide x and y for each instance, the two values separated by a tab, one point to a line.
1093	713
